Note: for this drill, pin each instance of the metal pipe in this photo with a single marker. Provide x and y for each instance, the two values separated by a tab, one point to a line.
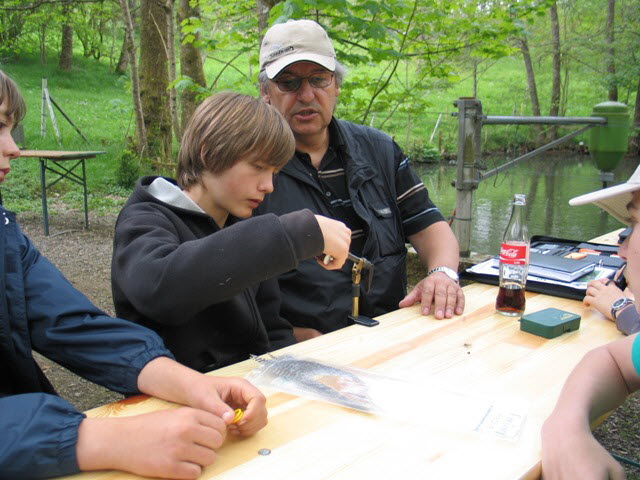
506	120
535	152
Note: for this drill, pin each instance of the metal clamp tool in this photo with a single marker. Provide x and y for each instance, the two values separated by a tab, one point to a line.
362	270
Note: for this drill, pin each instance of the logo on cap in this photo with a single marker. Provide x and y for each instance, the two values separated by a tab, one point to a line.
280	51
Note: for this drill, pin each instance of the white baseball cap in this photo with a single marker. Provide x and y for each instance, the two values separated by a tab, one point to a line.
613	200
296	41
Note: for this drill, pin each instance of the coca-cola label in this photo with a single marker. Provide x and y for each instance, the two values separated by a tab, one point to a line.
513	254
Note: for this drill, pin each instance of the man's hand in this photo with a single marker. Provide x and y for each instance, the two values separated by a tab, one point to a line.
169	443
337	238
438	294
601	294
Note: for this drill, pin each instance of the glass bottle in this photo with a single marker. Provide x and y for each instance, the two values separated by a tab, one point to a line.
514	262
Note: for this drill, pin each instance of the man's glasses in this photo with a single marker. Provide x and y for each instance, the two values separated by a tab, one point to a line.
292	84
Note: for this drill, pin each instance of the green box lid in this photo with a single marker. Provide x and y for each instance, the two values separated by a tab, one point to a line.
550	322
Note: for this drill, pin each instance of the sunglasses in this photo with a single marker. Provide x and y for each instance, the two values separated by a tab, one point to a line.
292	84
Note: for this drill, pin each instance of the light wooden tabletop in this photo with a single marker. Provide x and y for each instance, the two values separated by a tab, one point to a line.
59	154
479	355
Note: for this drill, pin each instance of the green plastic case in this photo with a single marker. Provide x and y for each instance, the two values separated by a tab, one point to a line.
550	322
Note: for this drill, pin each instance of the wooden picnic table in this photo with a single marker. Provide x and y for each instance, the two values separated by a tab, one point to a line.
478	356
57	162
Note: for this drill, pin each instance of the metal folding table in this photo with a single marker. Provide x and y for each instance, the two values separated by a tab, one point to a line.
60	163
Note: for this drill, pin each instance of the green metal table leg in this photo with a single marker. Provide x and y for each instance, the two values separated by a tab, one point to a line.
43	191
84	191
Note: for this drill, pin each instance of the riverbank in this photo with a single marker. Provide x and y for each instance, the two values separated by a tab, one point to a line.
84	256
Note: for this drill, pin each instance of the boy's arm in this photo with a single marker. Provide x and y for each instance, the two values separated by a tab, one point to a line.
599	383
279	330
37	425
67	328
173	443
171	281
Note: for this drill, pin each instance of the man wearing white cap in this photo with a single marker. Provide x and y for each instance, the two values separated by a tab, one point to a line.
605	376
357	175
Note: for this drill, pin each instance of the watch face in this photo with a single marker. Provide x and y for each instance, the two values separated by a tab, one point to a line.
621	302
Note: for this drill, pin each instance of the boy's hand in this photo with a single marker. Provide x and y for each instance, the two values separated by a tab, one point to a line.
337	238
222	395
175	443
165	378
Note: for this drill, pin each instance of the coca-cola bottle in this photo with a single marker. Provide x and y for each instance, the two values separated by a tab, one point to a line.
514	262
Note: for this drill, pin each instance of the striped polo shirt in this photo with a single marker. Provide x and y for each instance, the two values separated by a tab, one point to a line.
416	209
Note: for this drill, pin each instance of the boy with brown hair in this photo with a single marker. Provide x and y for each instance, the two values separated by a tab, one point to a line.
185	265
41	434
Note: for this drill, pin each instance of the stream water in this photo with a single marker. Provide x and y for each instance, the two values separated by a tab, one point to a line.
548	181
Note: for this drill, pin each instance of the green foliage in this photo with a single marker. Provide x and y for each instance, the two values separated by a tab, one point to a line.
407	62
421	152
128	169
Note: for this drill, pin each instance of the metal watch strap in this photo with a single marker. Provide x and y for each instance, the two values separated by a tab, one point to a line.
449	272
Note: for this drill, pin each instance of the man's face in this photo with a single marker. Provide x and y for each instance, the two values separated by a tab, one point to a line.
8	148
630	248
308	110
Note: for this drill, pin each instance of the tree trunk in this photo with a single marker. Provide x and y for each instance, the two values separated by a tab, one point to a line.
141	132
154	80
123	61
634	142
190	62
263	8
554	107
611	53
171	54
531	84
65	61
531	77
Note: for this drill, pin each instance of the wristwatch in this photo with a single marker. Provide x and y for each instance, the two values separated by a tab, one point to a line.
449	272
620	304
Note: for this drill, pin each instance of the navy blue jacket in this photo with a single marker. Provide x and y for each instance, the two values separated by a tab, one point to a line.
40	310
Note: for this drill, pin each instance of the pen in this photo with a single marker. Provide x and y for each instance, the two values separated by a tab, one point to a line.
619	278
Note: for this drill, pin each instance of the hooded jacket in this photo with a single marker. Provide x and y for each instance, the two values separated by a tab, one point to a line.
40	310
209	292
320	299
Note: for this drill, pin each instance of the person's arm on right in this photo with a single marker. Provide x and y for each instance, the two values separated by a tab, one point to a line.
599	383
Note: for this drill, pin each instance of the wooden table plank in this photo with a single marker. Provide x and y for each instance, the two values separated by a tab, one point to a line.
59	154
479	354
610	238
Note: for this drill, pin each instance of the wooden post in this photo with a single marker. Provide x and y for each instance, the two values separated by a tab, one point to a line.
52	116
469	131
